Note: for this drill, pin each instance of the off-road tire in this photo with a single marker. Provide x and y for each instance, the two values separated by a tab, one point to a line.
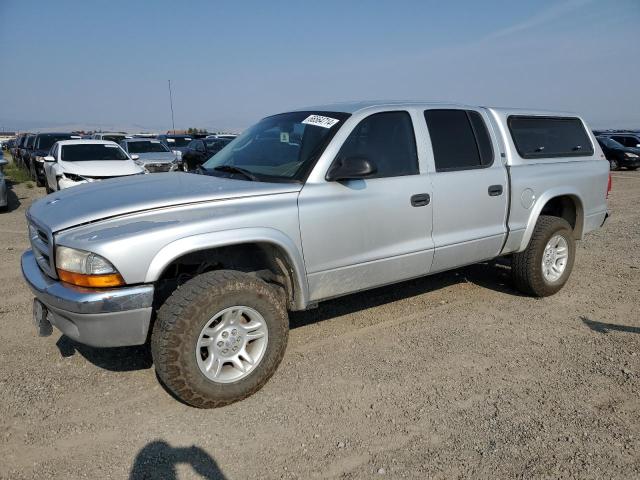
526	267
183	316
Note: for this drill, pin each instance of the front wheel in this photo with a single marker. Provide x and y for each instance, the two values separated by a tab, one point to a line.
219	337
544	267
613	164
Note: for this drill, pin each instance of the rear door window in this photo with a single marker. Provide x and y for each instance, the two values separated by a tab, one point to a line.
547	137
459	139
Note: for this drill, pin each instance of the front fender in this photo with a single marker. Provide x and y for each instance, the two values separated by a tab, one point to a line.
204	241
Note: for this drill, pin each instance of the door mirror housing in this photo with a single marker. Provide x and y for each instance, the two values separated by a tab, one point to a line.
350	168
135	157
49	158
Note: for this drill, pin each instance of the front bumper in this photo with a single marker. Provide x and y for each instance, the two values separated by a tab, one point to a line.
96	317
630	162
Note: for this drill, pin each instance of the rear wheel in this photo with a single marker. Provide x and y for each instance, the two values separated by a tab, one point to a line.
632	168
219	338
544	267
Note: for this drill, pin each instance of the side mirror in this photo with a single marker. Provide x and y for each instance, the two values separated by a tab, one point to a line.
350	168
135	157
49	158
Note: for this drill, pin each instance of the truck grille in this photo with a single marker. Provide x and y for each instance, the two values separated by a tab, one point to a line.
157	167
42	246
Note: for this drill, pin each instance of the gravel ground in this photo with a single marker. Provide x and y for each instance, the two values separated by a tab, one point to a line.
452	376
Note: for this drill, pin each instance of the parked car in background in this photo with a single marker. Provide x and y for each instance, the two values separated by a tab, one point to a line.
25	151
176	143
199	151
111	136
306	206
153	155
41	146
618	155
9	144
4	202
15	150
628	139
73	162
229	136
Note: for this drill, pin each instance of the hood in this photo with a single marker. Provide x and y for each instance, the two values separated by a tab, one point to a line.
101	168
156	157
119	196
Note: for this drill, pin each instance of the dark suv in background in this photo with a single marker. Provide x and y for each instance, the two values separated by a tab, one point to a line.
200	150
631	140
41	145
619	155
25	150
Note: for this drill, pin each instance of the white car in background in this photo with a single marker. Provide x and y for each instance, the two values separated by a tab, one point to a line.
73	162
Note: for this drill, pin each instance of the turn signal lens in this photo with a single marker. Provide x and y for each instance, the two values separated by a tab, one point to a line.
95	281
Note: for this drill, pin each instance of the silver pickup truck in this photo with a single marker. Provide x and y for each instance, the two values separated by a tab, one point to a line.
305	206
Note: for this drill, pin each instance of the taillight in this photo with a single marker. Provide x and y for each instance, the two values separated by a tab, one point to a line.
609	185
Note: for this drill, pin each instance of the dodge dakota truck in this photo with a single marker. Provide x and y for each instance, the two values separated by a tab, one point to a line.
302	207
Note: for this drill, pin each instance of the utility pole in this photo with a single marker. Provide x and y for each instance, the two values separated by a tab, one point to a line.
173	125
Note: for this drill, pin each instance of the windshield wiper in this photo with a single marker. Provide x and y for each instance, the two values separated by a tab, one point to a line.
234	169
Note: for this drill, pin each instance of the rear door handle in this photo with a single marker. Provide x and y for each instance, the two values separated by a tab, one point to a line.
495	190
420	200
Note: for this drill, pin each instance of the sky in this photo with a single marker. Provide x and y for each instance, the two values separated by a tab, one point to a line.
107	64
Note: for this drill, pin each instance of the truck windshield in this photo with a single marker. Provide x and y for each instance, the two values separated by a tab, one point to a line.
45	142
146	146
279	148
91	152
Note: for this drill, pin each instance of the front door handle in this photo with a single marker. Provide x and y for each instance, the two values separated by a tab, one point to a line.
495	190
420	199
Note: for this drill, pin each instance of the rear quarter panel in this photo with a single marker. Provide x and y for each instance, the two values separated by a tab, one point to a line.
536	181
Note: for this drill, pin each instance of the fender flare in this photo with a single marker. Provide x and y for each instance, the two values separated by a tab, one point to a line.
542	201
226	238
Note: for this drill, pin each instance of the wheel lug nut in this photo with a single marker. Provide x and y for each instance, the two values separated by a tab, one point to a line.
220	343
226	350
235	349
225	334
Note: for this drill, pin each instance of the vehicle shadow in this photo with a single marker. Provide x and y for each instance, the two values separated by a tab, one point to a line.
493	275
602	327
117	359
13	202
158	460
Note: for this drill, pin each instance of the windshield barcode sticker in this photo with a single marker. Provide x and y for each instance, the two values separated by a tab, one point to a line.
320	121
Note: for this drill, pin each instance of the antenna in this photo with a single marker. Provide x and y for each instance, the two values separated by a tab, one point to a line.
173	125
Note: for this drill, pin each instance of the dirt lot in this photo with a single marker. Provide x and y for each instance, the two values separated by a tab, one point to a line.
453	376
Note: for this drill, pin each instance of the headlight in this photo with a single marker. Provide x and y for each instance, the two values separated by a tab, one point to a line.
86	269
73	177
630	155
141	165
40	159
